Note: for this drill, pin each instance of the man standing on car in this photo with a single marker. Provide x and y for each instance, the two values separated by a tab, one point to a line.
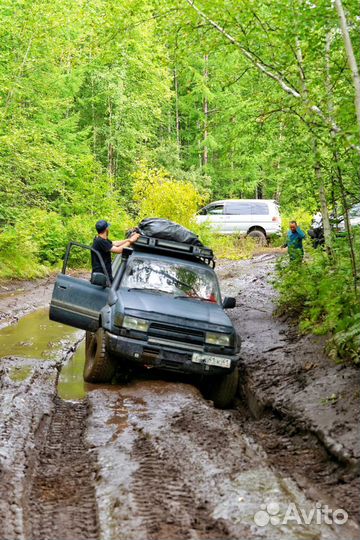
294	242
105	247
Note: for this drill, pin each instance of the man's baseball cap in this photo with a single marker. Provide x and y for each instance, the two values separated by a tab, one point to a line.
102	225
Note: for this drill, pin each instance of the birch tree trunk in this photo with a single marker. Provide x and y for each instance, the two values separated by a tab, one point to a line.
111	149
206	111
337	164
177	115
350	56
317	166
322	198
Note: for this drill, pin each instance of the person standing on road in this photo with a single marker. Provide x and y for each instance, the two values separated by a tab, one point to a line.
294	242
105	247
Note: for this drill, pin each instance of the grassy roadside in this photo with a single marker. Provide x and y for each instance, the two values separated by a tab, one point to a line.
320	294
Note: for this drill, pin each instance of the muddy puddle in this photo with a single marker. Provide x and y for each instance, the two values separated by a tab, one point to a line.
71	385
35	336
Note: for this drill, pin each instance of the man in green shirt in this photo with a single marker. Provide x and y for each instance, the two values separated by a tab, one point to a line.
294	242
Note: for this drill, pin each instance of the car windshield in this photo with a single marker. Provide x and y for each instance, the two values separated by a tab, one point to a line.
179	280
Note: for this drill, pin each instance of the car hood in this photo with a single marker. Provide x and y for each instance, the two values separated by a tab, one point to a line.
167	306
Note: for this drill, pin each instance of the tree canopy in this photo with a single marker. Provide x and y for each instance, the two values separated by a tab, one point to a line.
228	96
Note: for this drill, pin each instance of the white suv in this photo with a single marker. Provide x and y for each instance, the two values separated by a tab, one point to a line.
354	217
258	218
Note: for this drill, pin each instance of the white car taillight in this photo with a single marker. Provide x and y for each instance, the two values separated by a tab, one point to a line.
275	218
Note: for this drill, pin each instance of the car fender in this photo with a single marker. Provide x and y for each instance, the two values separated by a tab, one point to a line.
105	317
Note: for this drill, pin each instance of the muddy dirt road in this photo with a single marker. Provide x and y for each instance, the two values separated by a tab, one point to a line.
152	459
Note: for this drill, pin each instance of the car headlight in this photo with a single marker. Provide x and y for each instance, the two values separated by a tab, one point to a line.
133	323
212	338
118	319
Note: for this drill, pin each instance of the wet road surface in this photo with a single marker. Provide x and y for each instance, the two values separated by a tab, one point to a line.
148	460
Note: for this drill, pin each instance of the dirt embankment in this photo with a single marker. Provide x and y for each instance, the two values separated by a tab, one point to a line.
17	298
289	373
302	404
153	460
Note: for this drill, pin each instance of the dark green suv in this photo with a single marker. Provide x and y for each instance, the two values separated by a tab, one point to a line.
163	310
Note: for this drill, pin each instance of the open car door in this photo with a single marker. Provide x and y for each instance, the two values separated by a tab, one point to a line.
76	301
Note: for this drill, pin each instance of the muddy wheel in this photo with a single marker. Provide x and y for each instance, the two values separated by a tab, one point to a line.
222	391
98	366
88	338
259	237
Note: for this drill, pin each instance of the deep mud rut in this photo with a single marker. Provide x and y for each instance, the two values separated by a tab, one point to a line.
152	460
61	501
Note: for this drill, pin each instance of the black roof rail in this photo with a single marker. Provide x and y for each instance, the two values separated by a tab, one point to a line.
179	249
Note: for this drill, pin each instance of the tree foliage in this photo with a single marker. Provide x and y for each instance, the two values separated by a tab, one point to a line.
90	88
157	194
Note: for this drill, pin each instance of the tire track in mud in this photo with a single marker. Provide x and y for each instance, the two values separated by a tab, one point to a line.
300	455
199	476
60	499
168	506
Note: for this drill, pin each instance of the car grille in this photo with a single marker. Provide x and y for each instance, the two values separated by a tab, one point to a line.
176	333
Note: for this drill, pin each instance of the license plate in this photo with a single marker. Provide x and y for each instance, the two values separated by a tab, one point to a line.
211	360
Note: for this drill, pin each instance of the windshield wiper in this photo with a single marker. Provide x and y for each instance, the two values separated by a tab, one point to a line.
182	283
189	297
154	291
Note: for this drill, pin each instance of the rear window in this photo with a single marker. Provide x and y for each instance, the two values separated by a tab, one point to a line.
261	209
238	209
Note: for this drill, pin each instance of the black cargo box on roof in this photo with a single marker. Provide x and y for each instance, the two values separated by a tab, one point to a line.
167	230
177	249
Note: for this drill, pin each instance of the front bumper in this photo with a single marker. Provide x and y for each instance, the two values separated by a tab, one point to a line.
140	353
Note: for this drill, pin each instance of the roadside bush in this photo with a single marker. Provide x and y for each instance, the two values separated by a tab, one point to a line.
346	343
18	256
158	194
33	245
36	244
46	232
320	292
226	246
232	247
300	215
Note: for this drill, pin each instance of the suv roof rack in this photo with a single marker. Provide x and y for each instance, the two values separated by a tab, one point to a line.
180	249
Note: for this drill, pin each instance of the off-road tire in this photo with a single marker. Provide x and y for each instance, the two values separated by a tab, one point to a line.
259	236
222	390
88	338
98	366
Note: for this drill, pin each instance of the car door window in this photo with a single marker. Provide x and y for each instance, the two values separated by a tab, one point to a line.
260	209
217	209
238	209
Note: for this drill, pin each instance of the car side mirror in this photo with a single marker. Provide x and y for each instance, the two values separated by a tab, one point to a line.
229	302
99	279
126	252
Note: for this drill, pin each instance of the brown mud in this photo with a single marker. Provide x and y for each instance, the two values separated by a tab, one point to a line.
153	459
302	407
17	298
61	500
